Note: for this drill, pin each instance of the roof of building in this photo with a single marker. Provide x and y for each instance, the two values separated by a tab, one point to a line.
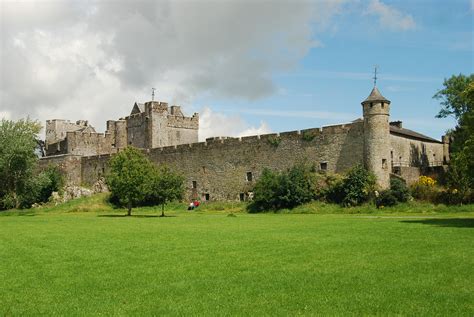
375	95
412	134
138	108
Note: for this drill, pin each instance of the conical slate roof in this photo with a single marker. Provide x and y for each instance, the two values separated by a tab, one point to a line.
375	95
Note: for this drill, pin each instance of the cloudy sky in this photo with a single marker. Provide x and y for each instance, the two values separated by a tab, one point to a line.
247	67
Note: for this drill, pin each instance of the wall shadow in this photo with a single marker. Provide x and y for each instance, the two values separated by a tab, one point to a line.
445	222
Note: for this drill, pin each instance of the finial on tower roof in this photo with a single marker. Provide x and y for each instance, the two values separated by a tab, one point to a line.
375	76
153	94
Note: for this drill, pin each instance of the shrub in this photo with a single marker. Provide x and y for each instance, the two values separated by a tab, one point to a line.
287	189
455	197
358	186
426	181
334	192
352	190
274	140
386	198
424	189
308	136
399	190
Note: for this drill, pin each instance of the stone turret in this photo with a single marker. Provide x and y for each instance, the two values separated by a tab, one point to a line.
376	110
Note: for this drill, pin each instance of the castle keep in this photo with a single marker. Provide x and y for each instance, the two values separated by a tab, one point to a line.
225	168
150	125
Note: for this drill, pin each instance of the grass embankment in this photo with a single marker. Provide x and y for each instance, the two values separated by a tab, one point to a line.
86	258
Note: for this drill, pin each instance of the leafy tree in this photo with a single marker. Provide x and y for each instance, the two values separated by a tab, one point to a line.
50	180
287	189
454	100
129	177
399	189
352	190
265	191
358	186
457	99
166	186
18	141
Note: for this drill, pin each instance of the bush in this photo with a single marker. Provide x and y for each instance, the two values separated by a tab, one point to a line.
37	189
287	189
386	198
399	190
424	189
455	197
334	192
355	189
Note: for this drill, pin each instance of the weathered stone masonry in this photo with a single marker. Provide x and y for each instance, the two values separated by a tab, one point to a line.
227	168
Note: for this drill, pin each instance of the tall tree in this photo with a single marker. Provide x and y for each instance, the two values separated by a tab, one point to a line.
166	186
129	177
457	99
18	141
453	99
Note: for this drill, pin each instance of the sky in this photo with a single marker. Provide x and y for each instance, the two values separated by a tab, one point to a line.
248	67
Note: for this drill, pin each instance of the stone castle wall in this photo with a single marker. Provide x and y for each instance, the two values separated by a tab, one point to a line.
220	167
415	153
56	129
70	165
137	130
153	125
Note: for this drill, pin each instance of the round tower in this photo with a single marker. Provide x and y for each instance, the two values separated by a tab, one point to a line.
376	109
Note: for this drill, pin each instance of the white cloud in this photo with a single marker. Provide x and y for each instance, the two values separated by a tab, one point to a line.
391	17
5	115
93	59
212	124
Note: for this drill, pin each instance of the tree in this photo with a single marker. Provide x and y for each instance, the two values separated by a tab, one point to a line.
129	177
18	141
166	186
458	100
287	189
454	100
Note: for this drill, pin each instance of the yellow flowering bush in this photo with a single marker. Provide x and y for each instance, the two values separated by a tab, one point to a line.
426	181
425	189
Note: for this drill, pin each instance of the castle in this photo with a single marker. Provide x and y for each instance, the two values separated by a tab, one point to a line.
150	125
225	168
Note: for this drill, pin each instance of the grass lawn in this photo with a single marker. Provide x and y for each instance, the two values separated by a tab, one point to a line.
84	258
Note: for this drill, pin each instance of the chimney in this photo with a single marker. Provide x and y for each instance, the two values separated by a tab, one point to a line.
397	124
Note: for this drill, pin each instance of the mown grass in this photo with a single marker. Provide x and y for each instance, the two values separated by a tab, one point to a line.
86	258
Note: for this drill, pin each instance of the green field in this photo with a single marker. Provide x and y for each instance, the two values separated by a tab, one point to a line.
85	258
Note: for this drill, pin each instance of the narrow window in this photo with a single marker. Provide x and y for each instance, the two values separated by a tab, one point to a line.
242	196
323	166
249	176
194	184
384	163
371	105
207	197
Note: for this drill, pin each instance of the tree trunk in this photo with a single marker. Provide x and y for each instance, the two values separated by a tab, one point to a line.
129	207
162	210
